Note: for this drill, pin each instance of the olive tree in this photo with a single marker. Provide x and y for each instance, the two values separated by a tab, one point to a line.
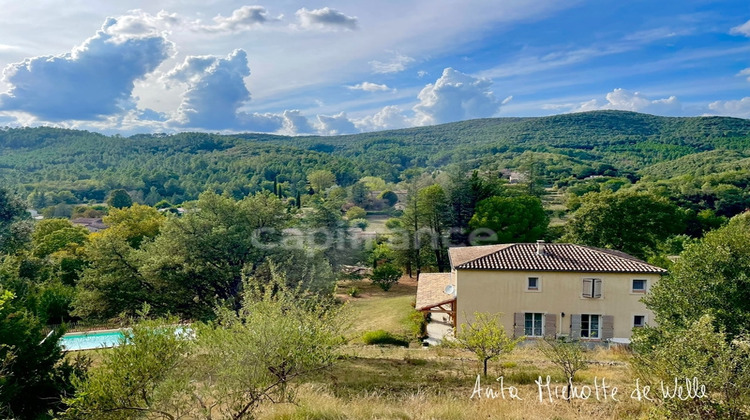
568	356
485	337
223	369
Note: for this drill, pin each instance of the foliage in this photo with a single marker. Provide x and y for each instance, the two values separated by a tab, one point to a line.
627	221
435	221
119	199
485	336
184	265
568	356
35	375
14	226
146	376
712	276
223	369
385	276
389	197
360	223
356	213
330	231
702	352
393	223
54	235
418	324
321	180
380	337
463	193
510	219
360	194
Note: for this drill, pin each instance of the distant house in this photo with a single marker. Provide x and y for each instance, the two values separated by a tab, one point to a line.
543	290
90	223
517	177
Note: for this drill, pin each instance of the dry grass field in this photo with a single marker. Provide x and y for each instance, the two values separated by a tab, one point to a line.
387	382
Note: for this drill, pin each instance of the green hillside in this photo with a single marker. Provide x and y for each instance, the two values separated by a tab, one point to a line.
562	147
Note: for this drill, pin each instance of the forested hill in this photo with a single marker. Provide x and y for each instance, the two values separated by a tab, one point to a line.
178	167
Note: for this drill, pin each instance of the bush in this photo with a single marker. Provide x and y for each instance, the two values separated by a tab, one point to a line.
356	213
380	337
360	223
393	223
389	197
418	324
353	292
386	276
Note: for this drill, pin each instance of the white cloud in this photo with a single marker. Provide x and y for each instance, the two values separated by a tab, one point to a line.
390	117
138	23
325	18
455	96
335	125
739	108
244	18
295	123
625	100
369	87
743	29
215	90
396	64
422	74
95	79
745	72
263	123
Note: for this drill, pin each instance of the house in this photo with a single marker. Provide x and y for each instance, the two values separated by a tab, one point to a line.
93	224
542	290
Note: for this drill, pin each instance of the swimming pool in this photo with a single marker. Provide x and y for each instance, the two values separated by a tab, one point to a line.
91	340
107	338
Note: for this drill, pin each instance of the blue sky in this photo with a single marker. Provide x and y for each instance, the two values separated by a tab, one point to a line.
338	67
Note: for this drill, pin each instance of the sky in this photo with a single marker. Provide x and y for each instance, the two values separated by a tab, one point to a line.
339	67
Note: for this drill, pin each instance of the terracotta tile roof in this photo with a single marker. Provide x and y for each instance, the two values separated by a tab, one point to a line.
557	257
430	290
461	255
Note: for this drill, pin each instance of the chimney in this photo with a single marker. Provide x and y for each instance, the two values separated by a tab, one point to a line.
540	247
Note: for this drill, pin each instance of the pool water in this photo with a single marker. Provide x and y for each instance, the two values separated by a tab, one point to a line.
90	340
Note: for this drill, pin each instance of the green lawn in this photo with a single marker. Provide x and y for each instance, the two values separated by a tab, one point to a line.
376	223
375	309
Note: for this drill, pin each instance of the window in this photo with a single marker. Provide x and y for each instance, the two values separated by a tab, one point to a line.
532	284
592	288
639	286
533	324
590	326
639	321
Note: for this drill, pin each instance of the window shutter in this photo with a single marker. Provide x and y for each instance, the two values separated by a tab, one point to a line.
608	327
575	326
550	325
587	287
597	288
518	324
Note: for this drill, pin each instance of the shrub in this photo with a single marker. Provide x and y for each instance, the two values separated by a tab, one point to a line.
360	223
353	292
389	197
418	324
386	276
380	337
356	213
393	223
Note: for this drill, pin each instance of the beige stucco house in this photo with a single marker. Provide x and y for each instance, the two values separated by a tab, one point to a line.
542	290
